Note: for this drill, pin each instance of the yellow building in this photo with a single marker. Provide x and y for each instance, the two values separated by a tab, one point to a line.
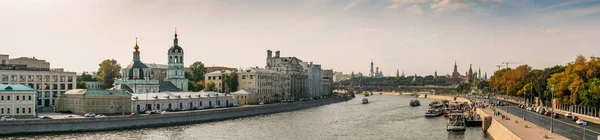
81	101
17	100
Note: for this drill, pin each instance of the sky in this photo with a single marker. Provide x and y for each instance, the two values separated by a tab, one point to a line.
417	36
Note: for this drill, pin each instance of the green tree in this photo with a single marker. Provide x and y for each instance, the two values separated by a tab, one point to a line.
210	86
197	71
482	85
231	82
108	71
590	93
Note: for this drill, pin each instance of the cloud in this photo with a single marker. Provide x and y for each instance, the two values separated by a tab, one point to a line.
398	3
351	4
445	5
552	31
415	9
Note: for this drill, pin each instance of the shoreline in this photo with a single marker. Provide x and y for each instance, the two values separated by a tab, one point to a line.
36	127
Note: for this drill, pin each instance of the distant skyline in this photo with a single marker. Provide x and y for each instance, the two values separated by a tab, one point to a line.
417	36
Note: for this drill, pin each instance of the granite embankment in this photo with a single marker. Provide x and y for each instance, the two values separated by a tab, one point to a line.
514	128
141	121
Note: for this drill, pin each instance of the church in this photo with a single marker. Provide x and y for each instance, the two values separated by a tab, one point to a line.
137	77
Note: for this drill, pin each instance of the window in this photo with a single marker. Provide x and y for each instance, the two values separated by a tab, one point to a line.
29	110
23	110
1	110
17	111
1	98
17	99
7	110
8	98
30	97
23	98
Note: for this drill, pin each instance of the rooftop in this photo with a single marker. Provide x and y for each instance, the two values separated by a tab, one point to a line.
98	92
14	87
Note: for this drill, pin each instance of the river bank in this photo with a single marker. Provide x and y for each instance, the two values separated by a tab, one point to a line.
514	128
143	121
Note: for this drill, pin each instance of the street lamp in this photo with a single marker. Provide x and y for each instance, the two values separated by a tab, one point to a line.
552	110
524	103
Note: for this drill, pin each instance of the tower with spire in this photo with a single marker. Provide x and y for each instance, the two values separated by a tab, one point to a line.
455	74
175	71
397	73
371	73
470	76
136	77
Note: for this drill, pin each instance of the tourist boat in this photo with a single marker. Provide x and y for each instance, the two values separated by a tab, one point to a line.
366	94
365	101
456	122
434	110
415	102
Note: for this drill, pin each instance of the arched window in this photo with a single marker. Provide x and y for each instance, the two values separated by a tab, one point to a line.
138	108
181	59
180	105
170	59
175	59
169	105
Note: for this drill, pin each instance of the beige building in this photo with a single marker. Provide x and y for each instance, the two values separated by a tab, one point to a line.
48	83
292	68
269	85
17	100
32	63
245	97
81	101
217	78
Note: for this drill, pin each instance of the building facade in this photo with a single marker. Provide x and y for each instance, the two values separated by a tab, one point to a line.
92	85
81	101
326	86
173	101
17	100
176	70
293	69
47	83
314	79
268	85
137	77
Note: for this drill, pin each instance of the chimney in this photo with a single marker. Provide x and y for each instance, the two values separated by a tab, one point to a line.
277	54
269	53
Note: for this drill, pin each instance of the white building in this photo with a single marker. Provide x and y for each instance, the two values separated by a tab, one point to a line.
92	85
314	81
180	101
47	82
17	100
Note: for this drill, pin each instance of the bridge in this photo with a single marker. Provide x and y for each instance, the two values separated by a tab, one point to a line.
391	87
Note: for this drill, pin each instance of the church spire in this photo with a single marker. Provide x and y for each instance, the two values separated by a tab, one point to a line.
175	41
136	47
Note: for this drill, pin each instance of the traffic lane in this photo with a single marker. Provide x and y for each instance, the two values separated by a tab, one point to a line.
562	128
590	126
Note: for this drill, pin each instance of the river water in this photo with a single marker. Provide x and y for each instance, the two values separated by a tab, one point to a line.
385	117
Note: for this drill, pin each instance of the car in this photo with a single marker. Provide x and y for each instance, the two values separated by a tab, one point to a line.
133	114
575	118
45	118
556	115
164	112
100	116
579	122
8	118
90	114
568	114
69	117
529	108
547	113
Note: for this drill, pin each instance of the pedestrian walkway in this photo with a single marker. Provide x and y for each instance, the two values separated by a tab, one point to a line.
518	126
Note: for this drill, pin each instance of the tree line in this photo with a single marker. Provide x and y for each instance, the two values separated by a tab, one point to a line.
576	83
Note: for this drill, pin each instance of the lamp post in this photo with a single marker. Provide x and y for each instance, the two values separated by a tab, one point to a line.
524	103
552	110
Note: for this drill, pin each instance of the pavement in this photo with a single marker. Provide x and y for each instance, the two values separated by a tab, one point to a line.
563	126
532	132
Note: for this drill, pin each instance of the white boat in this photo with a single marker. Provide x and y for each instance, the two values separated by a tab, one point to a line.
456	122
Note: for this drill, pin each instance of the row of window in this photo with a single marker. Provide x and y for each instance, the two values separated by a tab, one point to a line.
38	78
17	111
22	98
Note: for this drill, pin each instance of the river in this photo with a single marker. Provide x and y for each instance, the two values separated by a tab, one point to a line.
385	117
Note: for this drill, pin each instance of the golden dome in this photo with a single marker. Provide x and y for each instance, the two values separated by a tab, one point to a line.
136	46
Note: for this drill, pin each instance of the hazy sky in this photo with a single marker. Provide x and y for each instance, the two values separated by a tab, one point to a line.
418	36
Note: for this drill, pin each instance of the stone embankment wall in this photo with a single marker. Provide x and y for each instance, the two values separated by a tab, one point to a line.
495	129
141	121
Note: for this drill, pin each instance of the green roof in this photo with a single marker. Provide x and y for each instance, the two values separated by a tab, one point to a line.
98	92
14	87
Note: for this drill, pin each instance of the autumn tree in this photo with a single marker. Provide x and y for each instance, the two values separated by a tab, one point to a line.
108	71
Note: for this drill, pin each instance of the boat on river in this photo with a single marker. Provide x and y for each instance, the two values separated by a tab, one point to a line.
456	122
415	102
365	101
434	110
